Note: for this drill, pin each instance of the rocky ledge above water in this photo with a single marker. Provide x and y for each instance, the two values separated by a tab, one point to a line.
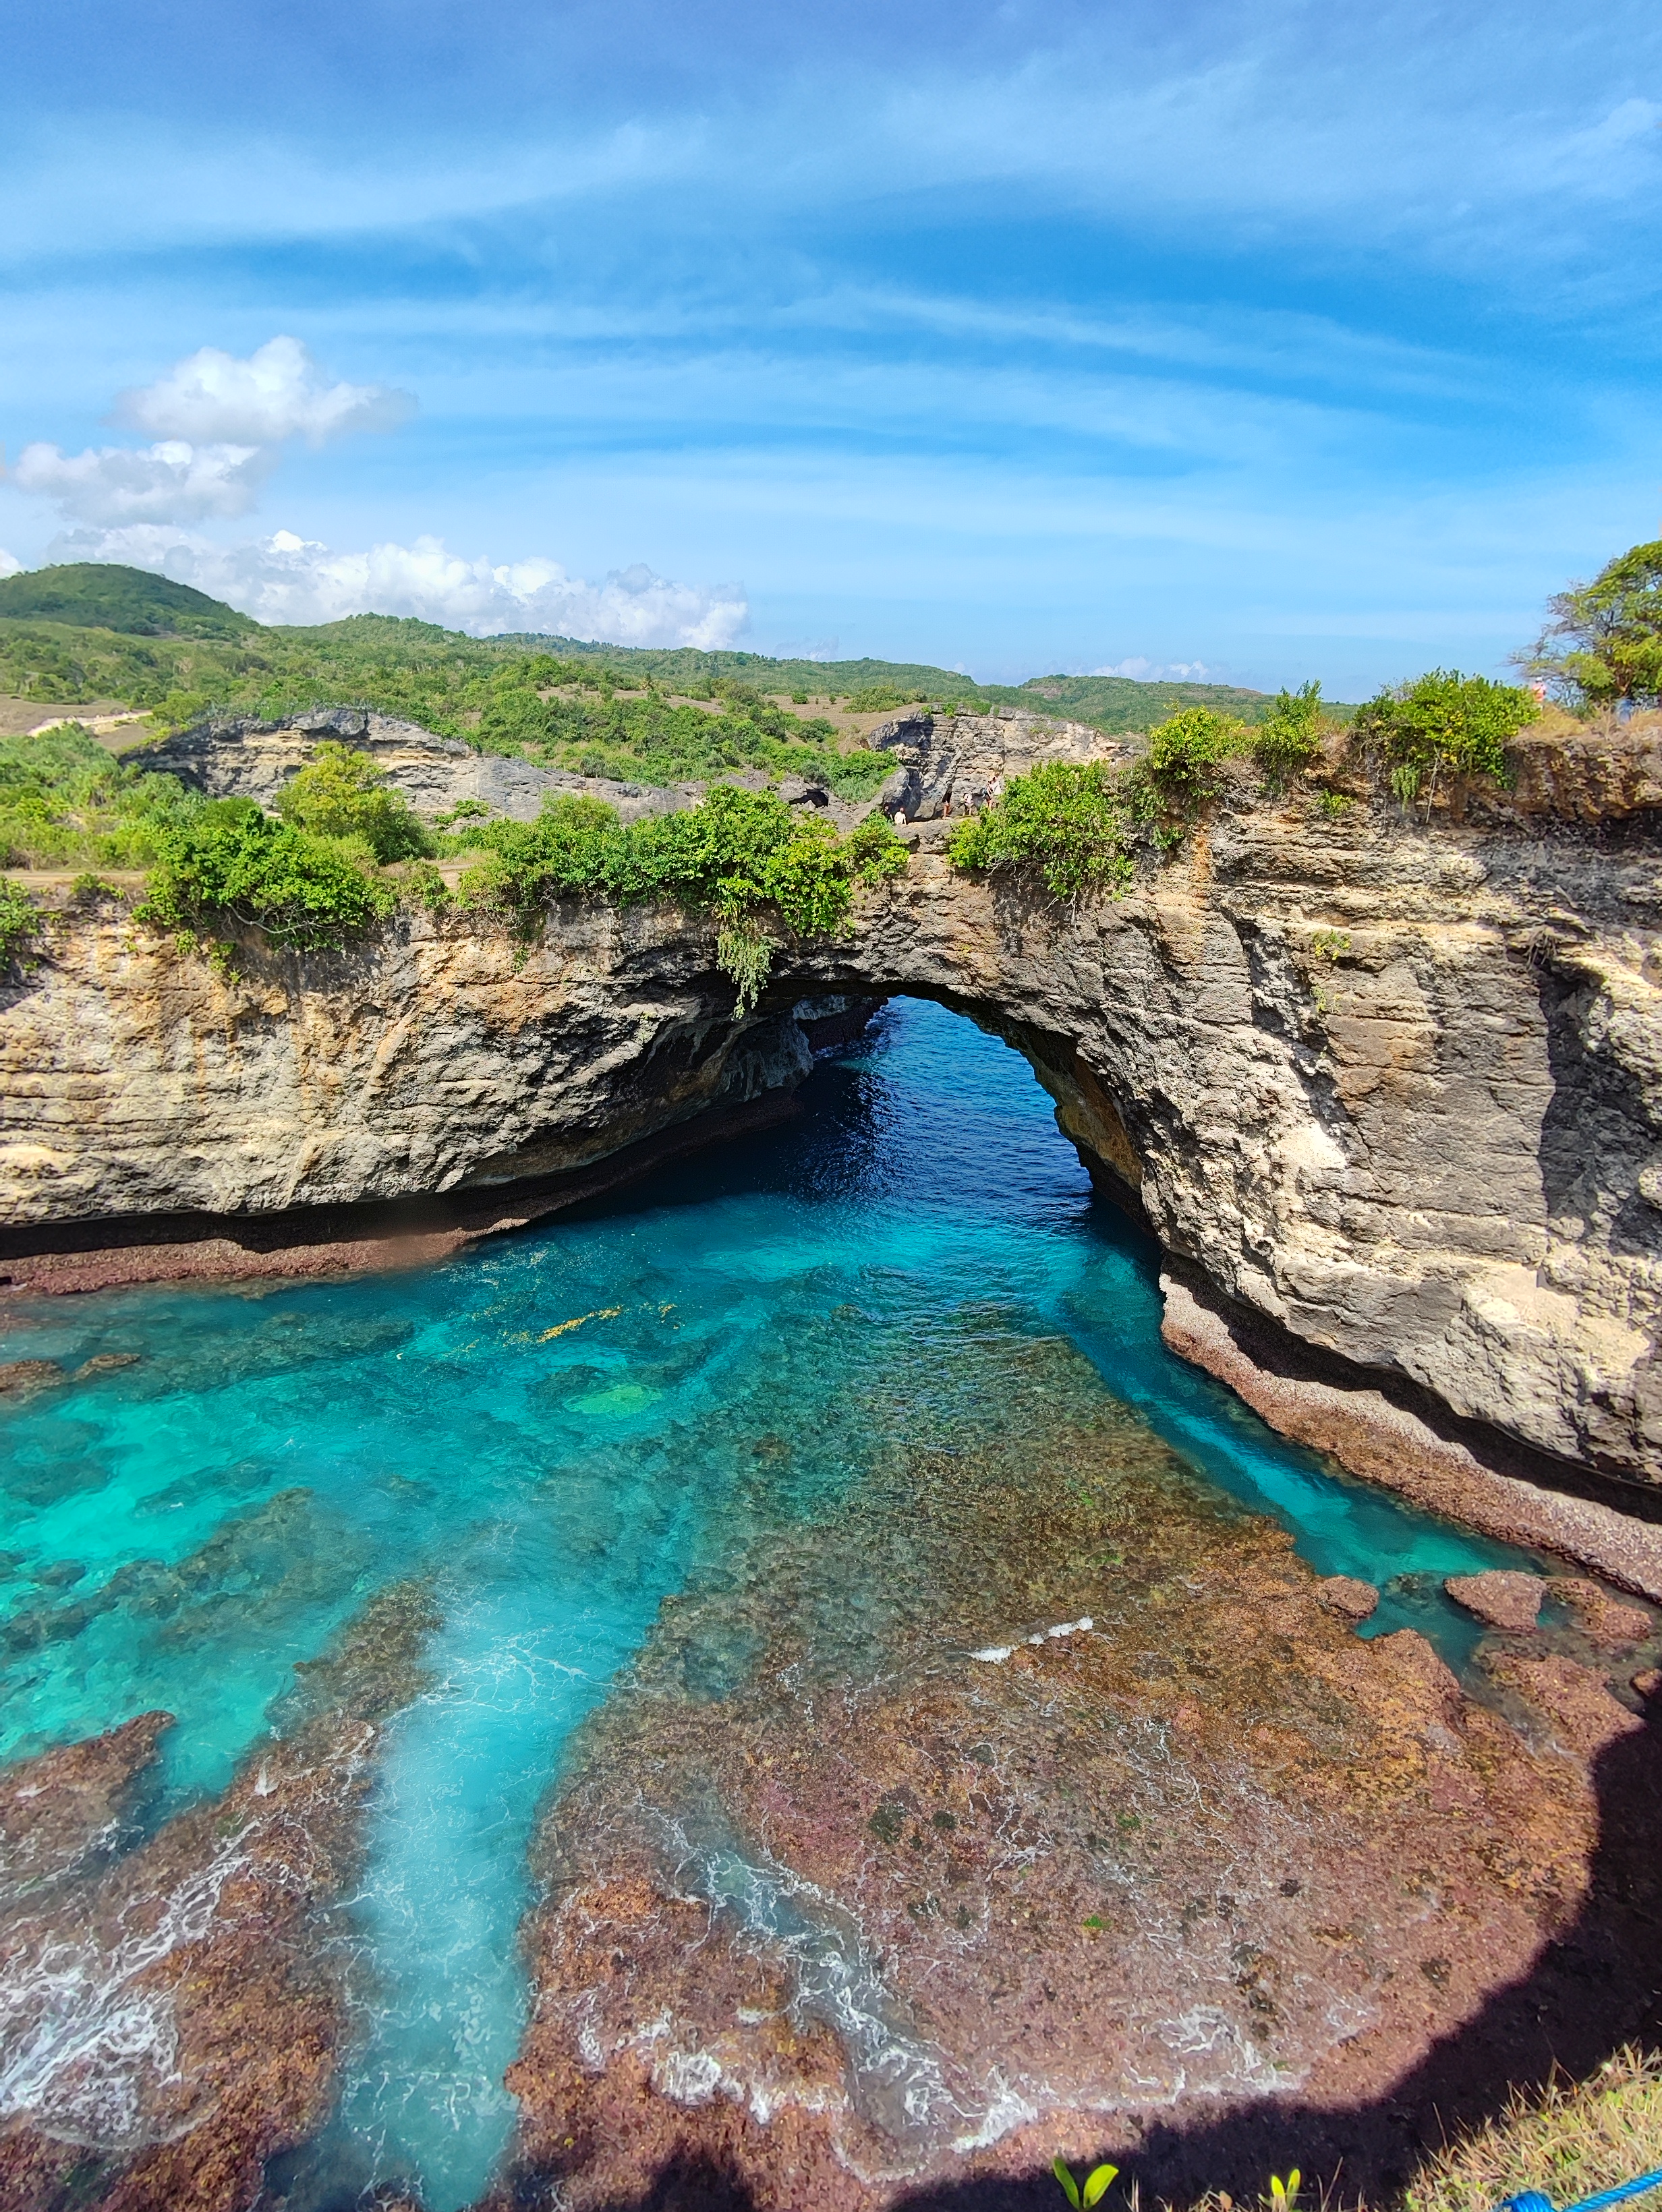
1387	1091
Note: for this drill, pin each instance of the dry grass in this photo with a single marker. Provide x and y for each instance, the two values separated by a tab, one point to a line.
1569	2141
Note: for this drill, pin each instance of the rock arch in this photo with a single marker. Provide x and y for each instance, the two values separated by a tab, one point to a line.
1338	1065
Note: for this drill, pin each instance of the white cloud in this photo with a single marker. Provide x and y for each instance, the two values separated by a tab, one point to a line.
9	563
218	423
279	391
286	579
1164	671
172	482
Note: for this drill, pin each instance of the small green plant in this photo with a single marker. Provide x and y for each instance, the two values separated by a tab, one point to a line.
1291	739
425	886
1334	803
1067	825
1284	2194
1184	755
745	955
1095	2187
1443	724
20	918
1330	944
90	889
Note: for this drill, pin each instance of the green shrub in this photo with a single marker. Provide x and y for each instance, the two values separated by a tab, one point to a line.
65	803
1180	773
342	793
229	861
741	855
19	918
882	699
1286	744
1066	824
1443	724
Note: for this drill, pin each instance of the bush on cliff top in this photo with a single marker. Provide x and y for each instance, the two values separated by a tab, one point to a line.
19	916
1068	825
230	860
738	855
1291	740
1442	724
342	794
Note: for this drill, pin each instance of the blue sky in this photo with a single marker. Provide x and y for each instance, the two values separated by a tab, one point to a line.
1283	341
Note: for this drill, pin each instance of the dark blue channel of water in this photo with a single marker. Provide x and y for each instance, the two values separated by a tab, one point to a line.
554	1431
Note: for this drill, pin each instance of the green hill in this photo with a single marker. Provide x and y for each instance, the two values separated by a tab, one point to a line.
97	595
91	631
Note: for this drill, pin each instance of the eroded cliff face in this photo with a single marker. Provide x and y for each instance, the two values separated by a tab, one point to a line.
1395	1089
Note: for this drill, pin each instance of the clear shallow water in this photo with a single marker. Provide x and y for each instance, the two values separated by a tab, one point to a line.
553	1433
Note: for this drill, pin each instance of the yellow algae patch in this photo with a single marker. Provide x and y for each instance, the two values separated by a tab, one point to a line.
600	1313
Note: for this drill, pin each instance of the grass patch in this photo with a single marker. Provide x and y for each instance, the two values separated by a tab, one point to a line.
1570	2140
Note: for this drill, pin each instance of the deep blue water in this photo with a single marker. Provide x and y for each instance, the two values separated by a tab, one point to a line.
554	1431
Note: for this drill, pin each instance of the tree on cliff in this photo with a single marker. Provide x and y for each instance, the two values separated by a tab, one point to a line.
342	794
1602	646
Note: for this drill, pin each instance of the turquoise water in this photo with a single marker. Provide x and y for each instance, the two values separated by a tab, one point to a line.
552	1433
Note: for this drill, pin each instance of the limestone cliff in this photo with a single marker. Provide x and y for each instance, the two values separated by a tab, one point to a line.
1395	1089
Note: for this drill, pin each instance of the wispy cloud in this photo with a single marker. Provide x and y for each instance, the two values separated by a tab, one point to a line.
220	424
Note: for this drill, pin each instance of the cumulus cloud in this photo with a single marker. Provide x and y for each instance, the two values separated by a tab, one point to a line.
1164	671
172	482
9	563
287	579
219	424
278	393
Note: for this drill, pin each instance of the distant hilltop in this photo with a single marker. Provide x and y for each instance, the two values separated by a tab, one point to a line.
93	631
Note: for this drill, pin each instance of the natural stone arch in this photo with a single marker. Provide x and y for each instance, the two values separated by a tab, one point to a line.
1314	1057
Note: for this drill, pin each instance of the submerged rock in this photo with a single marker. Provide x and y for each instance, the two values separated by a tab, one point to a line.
1606	1620
60	1809
170	2015
19	1377
1349	1595
1504	1600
